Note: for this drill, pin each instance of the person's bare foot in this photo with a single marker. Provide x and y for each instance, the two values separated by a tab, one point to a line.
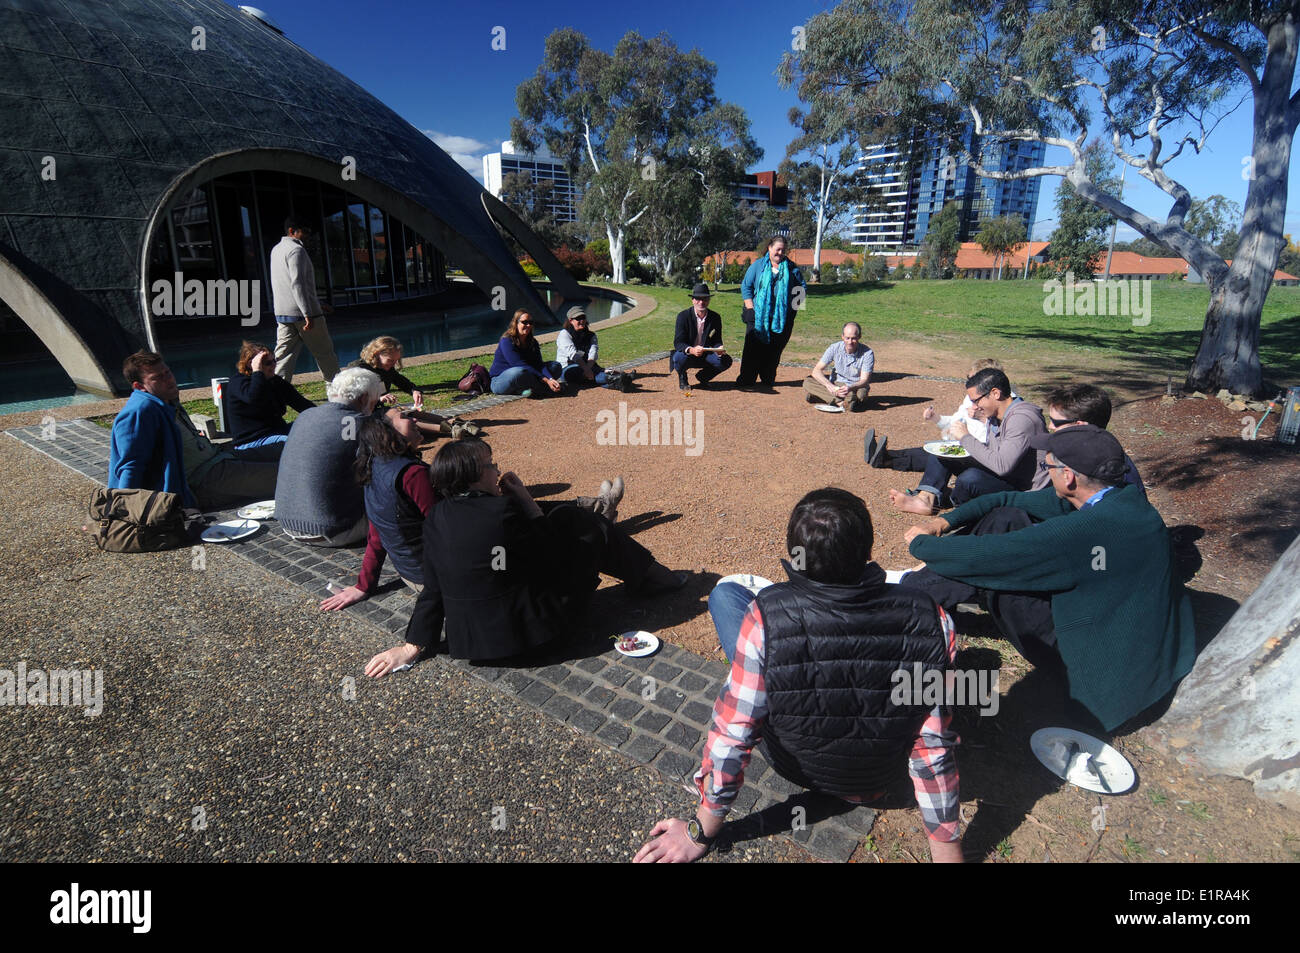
386	662
922	502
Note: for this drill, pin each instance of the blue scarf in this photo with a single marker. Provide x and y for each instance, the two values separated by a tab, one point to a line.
769	308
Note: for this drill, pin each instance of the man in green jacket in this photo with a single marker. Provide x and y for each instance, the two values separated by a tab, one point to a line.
1081	575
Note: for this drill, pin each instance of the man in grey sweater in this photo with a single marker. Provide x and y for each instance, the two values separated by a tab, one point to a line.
317	497
299	314
1006	462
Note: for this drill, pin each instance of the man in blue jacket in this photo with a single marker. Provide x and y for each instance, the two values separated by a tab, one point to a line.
155	446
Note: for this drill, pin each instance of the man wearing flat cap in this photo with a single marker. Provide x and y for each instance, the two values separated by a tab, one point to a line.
697	341
1079	576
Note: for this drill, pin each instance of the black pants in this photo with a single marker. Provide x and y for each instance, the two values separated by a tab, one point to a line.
760	358
908	460
1025	618
591	544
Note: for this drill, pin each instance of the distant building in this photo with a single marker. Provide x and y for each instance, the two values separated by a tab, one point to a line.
760	188
539	167
914	180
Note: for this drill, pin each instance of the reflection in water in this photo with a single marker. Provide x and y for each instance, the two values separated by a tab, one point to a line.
35	385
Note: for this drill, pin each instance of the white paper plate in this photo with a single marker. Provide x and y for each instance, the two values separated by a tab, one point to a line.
230	531
258	511
829	408
751	582
651	646
935	446
1067	754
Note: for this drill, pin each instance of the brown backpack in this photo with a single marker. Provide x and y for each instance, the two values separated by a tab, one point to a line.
137	521
476	381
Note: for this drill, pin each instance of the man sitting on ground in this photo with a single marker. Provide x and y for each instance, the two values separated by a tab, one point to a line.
916	459
155	446
697	341
1006	462
836	622
317	499
1080	578
850	363
1077	404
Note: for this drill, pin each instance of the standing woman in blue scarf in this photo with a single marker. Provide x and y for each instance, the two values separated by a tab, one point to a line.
768	290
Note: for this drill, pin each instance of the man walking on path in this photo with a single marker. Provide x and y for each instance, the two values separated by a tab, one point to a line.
299	314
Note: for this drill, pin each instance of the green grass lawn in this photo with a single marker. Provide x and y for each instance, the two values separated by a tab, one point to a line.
975	318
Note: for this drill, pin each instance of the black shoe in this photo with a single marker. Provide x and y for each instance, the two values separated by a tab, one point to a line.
682	382
661	580
879	458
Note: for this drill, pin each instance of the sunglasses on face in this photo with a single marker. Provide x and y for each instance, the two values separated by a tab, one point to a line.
1057	422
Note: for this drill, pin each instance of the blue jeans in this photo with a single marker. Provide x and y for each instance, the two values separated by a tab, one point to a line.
710	365
972	479
574	377
728	603
516	380
263	441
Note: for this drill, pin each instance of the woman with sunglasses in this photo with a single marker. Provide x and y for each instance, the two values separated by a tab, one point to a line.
517	366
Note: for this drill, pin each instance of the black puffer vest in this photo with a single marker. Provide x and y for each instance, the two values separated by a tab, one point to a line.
831	653
398	520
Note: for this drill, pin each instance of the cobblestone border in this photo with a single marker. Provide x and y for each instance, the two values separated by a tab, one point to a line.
655	711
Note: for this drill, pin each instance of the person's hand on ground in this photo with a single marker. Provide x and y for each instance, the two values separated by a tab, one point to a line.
385	662
341	600
670	844
554	385
957	429
931	527
928	414
418	398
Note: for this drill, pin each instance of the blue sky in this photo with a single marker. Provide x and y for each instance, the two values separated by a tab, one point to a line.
433	63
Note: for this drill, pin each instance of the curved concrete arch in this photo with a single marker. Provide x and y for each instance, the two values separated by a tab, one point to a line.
479	266
507	218
69	325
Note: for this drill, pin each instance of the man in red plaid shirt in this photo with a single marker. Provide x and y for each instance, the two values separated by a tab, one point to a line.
835	623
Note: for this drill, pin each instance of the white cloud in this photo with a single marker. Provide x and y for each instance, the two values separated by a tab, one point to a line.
467	152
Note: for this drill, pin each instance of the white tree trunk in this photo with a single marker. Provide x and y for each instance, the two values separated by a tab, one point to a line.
1238	711
616	239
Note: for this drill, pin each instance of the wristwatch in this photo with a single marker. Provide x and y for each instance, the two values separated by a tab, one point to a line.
696	833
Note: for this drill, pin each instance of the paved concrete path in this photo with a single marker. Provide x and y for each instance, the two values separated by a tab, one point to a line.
237	723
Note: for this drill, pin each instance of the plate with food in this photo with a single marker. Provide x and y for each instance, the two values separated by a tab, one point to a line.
258	511
1082	760
748	580
946	448
636	644
829	408
230	530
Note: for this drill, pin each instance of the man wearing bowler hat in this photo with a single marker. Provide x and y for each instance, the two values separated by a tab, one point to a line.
1079	576
697	341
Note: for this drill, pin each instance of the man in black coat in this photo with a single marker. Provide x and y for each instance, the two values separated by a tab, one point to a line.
697	341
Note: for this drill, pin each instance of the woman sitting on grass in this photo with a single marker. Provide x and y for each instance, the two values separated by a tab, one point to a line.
398	498
517	366
507	575
383	356
256	400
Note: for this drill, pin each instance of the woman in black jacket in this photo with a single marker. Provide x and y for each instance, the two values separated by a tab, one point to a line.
505	574
256	400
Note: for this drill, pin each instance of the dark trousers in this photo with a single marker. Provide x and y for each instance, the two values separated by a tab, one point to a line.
908	460
711	364
1025	618
760	358
972	479
591	545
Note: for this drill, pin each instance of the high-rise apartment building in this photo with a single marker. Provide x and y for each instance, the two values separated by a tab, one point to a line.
913	180
539	167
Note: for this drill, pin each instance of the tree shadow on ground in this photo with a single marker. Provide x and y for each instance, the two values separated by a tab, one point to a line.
643	521
888	401
838	289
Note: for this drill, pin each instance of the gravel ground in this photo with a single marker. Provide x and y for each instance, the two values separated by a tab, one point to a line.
228	733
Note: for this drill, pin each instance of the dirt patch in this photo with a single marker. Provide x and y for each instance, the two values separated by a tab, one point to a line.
714	498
